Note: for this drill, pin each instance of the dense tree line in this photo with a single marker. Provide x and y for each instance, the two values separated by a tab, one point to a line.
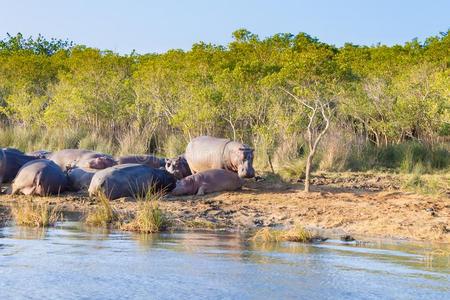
378	95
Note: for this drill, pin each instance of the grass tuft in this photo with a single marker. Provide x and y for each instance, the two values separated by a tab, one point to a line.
27	213
297	234
103	214
149	218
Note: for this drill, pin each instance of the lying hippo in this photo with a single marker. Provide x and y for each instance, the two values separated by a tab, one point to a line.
209	181
130	180
82	158
11	160
148	160
40	177
80	178
178	166
205	152
98	163
40	153
13	150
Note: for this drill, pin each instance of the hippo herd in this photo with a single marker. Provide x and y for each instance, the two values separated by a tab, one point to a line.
208	165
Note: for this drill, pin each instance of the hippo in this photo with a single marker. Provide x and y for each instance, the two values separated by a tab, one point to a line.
83	158
80	178
178	166
205	152
209	181
130	180
15	150
145	159
101	162
40	177
11	160
40	153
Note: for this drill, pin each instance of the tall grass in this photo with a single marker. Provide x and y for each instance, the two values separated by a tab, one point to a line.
340	151
28	213
174	146
406	157
148	218
103	214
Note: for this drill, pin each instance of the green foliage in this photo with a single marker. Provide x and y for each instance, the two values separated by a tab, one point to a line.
407	158
56	95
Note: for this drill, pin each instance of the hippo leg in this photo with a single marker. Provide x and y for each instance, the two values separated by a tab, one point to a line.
27	190
201	190
10	191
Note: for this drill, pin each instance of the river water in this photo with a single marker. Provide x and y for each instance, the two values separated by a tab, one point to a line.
72	262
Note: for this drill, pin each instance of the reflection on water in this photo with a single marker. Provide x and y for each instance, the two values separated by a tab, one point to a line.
73	262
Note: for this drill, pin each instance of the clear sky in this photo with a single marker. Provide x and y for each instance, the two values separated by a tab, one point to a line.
156	26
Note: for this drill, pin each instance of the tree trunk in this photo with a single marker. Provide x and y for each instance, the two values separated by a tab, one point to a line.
270	162
308	171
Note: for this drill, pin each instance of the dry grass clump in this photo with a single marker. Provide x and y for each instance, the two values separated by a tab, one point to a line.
27	213
103	214
148	218
297	234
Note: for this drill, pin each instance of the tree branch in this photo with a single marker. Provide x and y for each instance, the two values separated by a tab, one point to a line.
297	98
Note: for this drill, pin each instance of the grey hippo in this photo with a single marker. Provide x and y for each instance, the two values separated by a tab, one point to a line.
40	177
130	180
69	158
209	181
205	152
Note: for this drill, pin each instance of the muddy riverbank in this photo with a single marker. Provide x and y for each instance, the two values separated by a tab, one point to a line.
365	205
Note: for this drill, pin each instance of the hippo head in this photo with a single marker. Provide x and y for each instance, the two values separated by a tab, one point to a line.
244	162
178	167
101	162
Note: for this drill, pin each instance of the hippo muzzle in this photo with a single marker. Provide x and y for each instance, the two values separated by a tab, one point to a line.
246	171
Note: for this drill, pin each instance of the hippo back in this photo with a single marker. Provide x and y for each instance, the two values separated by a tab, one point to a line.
80	178
40	177
130	180
205	152
148	160
74	157
11	160
40	153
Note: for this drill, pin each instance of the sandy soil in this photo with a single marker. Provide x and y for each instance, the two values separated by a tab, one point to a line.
362	205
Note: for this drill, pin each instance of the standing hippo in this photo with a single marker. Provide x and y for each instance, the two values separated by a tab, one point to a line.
40	153
11	160
80	178
178	166
83	158
148	160
130	180
40	177
205	152
209	181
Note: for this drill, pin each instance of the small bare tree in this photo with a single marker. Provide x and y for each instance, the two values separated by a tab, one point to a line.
319	122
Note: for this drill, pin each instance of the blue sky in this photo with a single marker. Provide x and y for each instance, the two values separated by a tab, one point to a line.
156	26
